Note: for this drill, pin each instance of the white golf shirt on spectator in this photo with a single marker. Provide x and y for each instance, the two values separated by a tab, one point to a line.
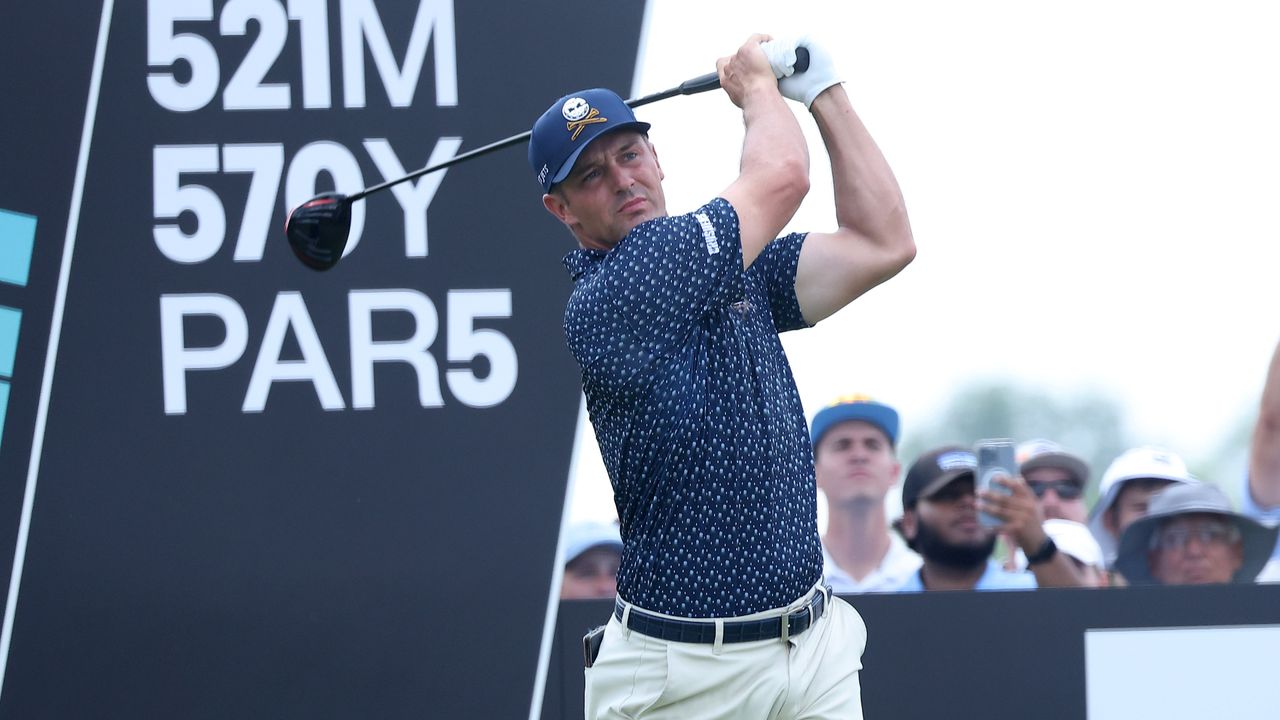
898	565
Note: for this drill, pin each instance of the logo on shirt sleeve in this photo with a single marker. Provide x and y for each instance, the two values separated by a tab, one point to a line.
708	233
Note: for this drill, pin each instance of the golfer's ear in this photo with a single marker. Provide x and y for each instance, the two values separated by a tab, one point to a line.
557	206
652	149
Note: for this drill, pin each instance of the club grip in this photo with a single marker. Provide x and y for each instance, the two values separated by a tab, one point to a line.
711	81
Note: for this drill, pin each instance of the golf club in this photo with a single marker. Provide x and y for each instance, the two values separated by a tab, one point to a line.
318	229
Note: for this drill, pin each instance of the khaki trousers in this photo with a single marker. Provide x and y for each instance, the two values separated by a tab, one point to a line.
812	676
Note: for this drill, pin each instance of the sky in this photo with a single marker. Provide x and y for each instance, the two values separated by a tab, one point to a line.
1094	189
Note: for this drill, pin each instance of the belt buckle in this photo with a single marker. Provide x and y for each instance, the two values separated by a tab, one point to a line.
786	620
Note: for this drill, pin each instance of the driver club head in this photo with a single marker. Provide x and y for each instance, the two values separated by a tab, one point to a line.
318	230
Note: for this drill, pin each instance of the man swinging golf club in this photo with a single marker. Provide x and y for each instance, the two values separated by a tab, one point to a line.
721	612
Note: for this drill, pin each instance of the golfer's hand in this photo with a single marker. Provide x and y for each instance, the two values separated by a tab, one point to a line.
805	87
747	71
782	56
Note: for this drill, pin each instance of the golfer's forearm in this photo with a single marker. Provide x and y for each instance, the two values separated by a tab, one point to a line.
867	197
774	150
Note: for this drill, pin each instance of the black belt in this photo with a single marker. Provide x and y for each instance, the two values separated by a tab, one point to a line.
735	631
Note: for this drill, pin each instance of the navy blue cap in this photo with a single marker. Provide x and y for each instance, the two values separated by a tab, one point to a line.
855	407
569	125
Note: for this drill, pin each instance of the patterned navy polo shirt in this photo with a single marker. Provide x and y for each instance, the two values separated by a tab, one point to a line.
697	414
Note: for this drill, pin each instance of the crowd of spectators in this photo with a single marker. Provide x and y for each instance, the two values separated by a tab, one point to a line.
1153	522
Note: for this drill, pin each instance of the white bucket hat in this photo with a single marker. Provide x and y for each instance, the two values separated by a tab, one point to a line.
1140	463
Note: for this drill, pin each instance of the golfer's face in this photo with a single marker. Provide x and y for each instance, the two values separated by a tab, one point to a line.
615	185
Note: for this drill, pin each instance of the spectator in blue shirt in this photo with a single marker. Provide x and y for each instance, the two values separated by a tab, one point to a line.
674	321
940	521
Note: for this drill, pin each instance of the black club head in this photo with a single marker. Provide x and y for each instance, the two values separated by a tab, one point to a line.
318	230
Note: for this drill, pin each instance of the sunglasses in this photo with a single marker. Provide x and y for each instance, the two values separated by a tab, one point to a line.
1066	489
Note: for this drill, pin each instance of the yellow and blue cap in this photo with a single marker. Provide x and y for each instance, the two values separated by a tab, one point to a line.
569	125
855	407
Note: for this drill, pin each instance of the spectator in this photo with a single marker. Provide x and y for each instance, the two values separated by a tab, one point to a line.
1191	536
1260	497
1057	478
592	554
855	460
940	521
1127	487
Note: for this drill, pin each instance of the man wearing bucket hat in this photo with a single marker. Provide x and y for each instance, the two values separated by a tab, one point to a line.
856	465
1126	489
1191	536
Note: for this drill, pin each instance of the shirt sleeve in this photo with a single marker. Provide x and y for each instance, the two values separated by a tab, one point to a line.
776	267
669	273
1250	508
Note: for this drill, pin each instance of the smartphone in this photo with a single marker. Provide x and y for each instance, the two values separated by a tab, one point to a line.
995	457
591	646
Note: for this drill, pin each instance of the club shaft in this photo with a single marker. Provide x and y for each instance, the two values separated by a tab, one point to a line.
491	147
700	84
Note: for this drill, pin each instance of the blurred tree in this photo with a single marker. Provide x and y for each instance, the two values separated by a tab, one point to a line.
1088	423
1228	461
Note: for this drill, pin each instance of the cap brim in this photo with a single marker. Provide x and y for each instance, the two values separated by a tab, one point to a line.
944	480
1063	461
569	162
579	552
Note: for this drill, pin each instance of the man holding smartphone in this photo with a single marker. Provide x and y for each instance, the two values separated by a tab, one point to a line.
940	520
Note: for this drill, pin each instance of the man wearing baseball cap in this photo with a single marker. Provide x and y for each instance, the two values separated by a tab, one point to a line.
1191	536
592	553
940	521
856	465
674	321
1126	489
1057	477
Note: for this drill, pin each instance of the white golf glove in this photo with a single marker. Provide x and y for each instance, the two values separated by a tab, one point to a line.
782	56
804	86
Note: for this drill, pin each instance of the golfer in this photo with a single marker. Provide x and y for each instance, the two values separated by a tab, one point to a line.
721	612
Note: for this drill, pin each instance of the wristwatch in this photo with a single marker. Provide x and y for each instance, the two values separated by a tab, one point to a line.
1044	554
